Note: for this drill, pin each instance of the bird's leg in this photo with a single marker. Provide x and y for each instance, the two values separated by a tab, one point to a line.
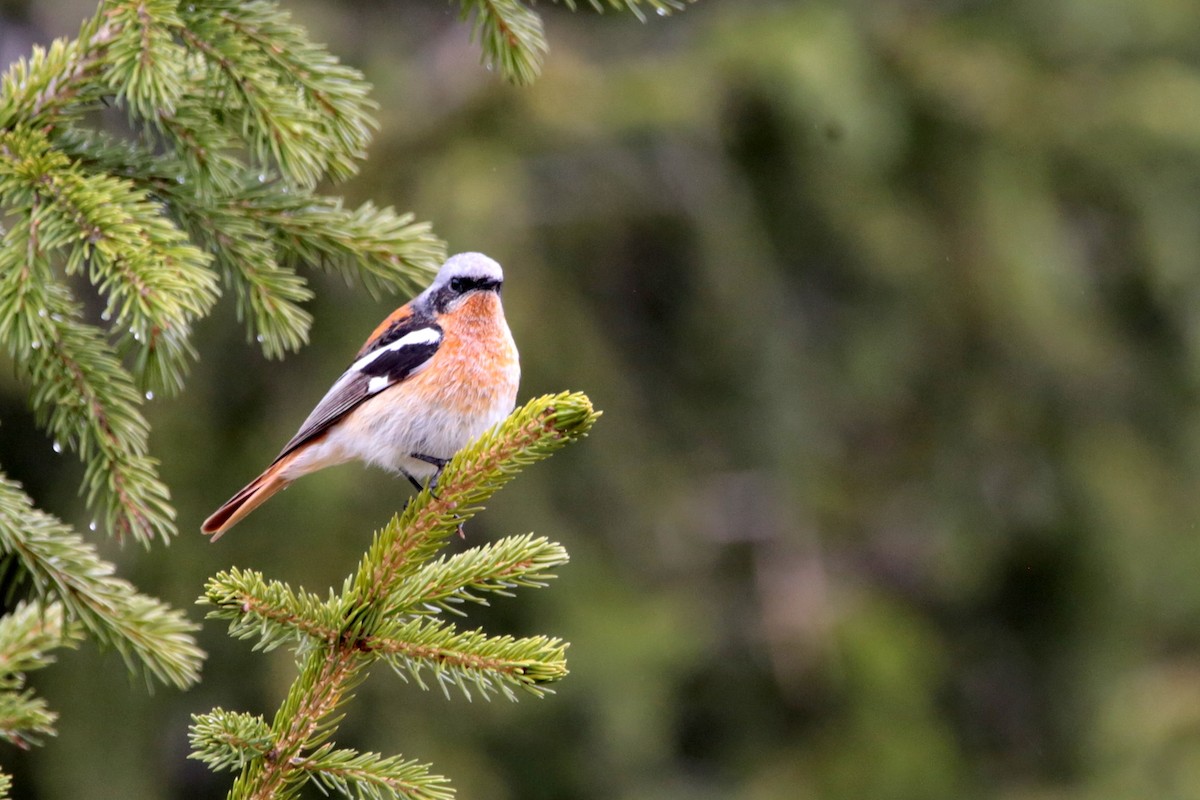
411	479
440	463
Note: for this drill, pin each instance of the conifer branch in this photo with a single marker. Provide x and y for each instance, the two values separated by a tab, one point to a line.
383	250
303	721
259	64
661	7
268	293
494	568
82	396
458	657
28	634
370	776
145	65
62	567
271	610
58	83
387	611
155	281
336	94
24	719
512	37
228	740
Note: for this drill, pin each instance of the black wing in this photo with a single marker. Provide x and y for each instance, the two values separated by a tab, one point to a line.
403	351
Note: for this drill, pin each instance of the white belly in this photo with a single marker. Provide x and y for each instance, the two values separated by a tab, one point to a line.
387	434
421	416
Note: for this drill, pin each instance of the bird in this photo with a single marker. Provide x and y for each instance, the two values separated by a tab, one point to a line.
433	376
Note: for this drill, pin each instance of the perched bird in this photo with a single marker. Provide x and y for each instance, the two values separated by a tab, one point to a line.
434	375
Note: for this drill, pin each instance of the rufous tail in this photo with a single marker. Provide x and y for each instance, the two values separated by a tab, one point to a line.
252	495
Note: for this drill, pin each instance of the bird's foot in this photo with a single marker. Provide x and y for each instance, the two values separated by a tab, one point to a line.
439	463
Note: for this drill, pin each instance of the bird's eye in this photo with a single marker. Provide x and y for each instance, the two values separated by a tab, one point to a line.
462	285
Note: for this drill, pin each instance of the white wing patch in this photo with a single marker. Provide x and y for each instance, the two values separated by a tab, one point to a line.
419	336
378	384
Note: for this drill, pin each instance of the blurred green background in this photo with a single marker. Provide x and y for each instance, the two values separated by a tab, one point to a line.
893	309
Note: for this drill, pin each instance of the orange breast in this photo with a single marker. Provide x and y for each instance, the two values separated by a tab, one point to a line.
476	365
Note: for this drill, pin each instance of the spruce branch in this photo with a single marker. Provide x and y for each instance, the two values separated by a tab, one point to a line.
512	37
25	719
271	610
228	740
28	634
456	658
155	281
370	776
493	568
62	567
145	65
304	721
388	610
661	7
335	93
383	250
82	395
259	65
278	614
269	294
56	84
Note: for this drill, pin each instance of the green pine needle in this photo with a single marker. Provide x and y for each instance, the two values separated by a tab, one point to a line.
28	634
146	65
24	719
